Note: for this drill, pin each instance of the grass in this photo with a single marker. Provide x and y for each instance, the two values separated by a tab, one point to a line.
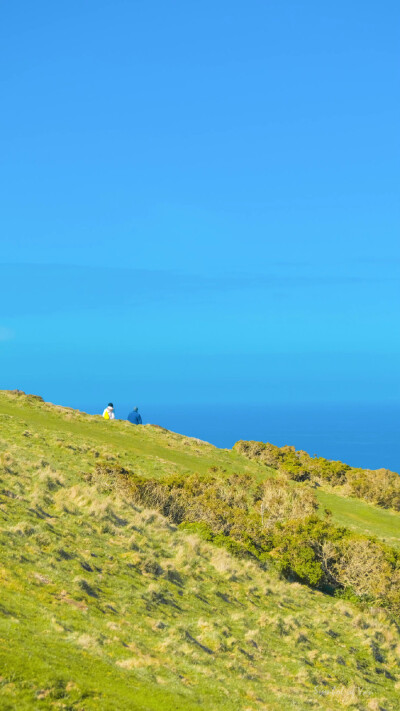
362	517
105	605
152	451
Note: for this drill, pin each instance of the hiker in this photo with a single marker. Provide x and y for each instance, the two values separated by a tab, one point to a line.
108	413
134	417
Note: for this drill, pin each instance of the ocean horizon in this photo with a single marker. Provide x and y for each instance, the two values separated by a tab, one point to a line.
358	434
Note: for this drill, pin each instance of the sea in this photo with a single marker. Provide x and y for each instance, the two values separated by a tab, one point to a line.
362	435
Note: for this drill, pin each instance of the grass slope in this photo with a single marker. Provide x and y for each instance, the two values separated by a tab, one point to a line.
153	451
105	605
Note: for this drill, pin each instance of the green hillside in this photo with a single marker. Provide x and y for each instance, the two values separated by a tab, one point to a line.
106	604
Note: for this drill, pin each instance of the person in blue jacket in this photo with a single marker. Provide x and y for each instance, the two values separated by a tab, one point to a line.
134	417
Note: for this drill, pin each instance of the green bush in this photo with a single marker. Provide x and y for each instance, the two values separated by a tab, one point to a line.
201	529
380	487
228	510
298	547
330	558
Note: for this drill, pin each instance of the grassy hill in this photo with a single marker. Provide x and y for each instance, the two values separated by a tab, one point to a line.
106	604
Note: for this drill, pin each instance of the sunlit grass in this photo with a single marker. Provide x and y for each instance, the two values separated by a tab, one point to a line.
105	605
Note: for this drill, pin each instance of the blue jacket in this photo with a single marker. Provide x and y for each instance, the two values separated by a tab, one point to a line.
134	417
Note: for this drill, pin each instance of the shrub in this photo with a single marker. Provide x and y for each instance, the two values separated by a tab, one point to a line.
267	453
334	559
298	546
363	566
282	502
381	487
226	510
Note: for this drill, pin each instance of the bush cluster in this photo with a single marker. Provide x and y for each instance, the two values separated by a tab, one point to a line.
381	486
226	505
274	521
335	560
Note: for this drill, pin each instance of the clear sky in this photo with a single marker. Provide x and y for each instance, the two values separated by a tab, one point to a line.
200	200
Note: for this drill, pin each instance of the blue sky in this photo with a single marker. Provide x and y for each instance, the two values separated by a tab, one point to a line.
199	201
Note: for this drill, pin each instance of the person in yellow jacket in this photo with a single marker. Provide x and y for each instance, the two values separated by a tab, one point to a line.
108	413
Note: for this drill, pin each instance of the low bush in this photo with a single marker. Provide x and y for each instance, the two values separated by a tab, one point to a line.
276	520
334	559
380	487
298	547
282	502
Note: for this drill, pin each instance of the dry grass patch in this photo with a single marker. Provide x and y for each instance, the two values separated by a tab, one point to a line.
225	564
346	696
